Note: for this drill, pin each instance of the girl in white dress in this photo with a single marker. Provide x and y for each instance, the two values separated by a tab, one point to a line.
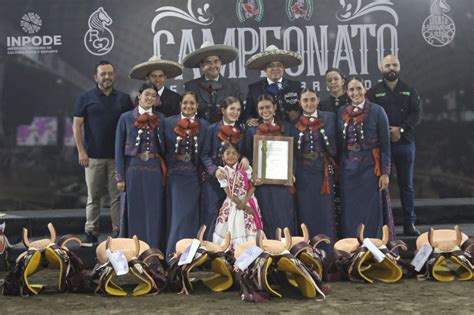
239	213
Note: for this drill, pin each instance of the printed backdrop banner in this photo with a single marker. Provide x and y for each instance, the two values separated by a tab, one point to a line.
49	49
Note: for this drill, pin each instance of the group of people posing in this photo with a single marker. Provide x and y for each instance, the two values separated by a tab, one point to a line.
179	161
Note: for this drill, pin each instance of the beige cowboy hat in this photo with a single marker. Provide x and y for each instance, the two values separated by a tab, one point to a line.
273	53
170	68
225	52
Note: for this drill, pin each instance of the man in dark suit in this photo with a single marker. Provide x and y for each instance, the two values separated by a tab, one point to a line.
211	87
156	71
285	92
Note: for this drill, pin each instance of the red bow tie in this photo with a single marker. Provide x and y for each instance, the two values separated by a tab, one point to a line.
146	121
229	134
187	127
311	123
357	115
269	129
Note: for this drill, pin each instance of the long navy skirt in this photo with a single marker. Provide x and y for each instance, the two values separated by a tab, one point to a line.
361	201
277	207
212	197
313	209
143	211
182	209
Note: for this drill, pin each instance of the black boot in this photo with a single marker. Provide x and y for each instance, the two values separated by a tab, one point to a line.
410	230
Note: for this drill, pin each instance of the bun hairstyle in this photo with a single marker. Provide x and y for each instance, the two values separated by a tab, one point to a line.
338	71
305	90
146	86
356	78
189	93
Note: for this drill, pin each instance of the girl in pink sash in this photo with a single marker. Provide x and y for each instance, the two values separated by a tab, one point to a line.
239	213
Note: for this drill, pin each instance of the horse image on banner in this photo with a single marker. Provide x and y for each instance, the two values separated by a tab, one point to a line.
99	39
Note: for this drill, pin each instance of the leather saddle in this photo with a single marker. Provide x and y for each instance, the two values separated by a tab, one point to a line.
274	267
451	258
4	244
45	253
209	257
145	265
357	263
306	250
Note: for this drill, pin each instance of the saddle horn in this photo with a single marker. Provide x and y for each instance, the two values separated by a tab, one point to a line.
278	234
226	243
304	228
259	238
360	233
137	245
458	235
26	241
108	243
430	237
385	234
286	232
52	232
200	234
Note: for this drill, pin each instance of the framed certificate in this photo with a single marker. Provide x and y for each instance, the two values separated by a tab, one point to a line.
273	159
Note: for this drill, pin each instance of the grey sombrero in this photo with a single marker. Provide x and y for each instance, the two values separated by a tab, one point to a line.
170	68
225	52
273	53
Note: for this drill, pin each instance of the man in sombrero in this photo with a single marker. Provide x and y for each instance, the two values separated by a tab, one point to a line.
157	71
286	92
211	87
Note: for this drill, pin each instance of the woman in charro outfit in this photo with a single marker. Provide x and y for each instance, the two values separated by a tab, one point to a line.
276	201
184	135
335	83
315	148
365	164
139	147
218	134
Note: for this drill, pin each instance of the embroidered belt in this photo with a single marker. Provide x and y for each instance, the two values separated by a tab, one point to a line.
146	155
313	155
184	157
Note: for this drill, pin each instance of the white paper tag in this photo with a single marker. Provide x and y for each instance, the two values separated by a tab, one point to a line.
188	255
2	227
118	261
377	253
421	257
248	257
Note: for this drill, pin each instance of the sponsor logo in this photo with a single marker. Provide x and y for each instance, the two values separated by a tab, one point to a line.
249	9
438	29
99	39
31	23
299	9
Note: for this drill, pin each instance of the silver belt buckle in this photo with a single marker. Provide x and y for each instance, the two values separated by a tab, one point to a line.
354	147
144	156
187	157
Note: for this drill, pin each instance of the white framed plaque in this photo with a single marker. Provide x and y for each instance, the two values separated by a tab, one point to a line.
273	159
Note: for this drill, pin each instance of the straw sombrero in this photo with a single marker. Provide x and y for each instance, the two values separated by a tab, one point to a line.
225	52
273	53
170	68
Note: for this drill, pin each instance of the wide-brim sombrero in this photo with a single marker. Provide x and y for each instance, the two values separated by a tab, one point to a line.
273	53
170	68
225	52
